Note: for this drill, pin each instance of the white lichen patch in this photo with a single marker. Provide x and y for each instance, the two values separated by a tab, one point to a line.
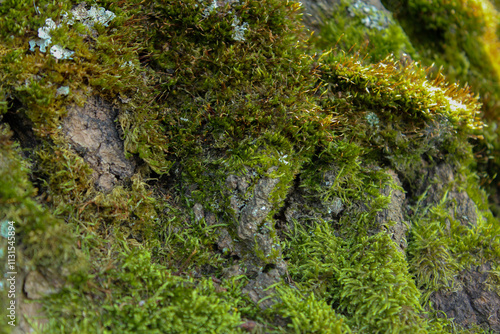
373	18
213	6
282	159
45	38
239	30
42	43
87	17
44	32
63	90
372	119
59	52
127	64
90	17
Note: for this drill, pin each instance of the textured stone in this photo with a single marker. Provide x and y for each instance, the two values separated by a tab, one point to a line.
36	286
252	227
258	288
436	183
474	303
394	212
92	131
316	11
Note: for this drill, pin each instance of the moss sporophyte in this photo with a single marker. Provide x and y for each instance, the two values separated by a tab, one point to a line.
210	166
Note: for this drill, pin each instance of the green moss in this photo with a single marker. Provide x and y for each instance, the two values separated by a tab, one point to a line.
462	40
416	119
201	105
308	314
349	28
98	62
45	241
365	278
42	241
440	246
217	90
21	17
487	161
134	295
461	37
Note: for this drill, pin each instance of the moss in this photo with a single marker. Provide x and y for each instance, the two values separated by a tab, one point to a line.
374	291
42	241
372	33
41	235
461	37
218	90
461	41
440	116
198	104
440	246
487	161
33	77
133	295
308	314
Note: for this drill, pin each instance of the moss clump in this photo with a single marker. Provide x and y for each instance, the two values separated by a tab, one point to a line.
459	36
226	104
133	295
363	29
44	240
41	240
221	91
366	278
307	314
33	78
440	245
232	123
374	104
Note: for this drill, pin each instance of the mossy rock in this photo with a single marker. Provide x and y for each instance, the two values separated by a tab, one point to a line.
196	167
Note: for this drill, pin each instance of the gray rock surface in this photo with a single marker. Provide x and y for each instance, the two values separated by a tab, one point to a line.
260	288
317	11
394	214
253	227
473	303
37	286
440	181
251	238
92	132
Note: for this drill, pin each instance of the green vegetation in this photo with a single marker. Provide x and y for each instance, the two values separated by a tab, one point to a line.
372	33
207	90
135	296
458	36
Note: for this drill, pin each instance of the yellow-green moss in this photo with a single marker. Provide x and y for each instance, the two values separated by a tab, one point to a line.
345	30
203	105
134	296
460	36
